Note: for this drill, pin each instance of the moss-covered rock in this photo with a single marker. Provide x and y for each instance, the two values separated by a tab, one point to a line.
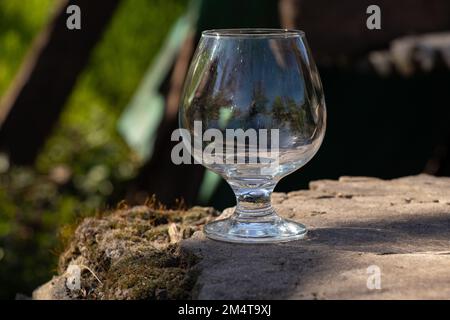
131	253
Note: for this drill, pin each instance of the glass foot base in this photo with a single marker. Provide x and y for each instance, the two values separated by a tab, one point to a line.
271	230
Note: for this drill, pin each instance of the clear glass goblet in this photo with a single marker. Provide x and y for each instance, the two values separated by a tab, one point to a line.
253	111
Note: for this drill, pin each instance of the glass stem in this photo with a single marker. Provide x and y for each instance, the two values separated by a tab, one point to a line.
254	202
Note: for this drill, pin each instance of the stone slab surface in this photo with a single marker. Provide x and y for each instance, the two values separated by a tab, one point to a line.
357	226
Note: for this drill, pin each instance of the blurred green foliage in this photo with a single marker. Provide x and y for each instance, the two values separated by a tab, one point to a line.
86	136
18	25
85	162
33	207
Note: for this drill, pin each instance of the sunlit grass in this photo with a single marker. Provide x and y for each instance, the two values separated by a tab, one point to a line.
104	89
20	21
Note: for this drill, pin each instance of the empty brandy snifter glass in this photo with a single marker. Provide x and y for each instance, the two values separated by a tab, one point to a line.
253	111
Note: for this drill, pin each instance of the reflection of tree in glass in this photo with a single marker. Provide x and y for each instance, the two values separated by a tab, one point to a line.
259	100
297	115
257	114
301	119
278	110
206	107
215	103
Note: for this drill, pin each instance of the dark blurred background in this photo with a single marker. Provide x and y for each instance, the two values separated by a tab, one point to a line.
86	115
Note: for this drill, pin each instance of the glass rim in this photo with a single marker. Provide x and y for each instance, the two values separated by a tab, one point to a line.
253	33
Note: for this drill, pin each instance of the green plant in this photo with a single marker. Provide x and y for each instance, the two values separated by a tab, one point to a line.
85	160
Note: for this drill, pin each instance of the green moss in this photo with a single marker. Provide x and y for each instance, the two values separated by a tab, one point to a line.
157	233
157	275
129	251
